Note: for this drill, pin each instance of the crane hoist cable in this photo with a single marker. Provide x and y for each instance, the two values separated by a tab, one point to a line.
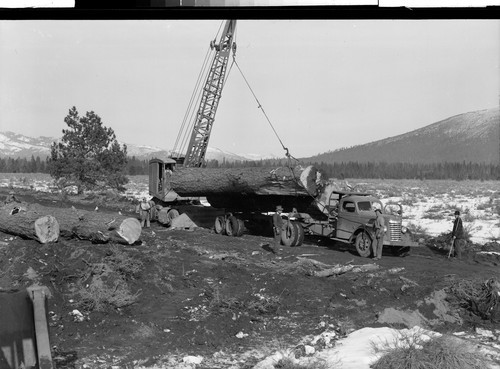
287	152
182	132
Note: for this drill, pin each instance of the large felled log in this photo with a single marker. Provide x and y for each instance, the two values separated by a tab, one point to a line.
281	181
249	189
15	220
73	223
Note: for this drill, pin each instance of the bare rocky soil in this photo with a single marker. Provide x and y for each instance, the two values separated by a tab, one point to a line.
230	300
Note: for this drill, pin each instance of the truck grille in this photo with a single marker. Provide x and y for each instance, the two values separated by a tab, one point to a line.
395	231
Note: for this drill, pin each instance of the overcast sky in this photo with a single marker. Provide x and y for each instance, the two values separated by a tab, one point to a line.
325	84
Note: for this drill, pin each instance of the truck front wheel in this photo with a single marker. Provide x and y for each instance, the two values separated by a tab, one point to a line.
363	244
300	233
289	234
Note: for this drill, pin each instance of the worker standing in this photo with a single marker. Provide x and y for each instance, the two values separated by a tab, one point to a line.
378	243
458	235
144	210
277	227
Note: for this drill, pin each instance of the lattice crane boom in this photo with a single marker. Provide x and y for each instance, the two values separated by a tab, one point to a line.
211	94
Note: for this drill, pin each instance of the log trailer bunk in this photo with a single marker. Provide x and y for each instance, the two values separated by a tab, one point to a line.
345	216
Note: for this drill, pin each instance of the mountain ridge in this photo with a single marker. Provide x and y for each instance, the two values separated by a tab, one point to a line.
17	145
470	137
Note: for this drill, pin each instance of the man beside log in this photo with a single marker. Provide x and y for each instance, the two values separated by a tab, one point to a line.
277	227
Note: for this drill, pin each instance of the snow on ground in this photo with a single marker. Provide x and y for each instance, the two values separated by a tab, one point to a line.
361	348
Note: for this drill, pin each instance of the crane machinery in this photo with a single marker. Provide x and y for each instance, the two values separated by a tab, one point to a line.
212	91
202	123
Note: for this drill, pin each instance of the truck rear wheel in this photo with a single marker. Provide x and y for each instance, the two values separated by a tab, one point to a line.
233	226
300	233
289	234
363	244
220	225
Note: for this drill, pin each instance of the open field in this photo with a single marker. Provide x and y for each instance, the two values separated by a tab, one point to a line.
183	298
428	205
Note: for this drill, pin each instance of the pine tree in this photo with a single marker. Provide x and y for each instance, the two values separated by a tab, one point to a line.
88	154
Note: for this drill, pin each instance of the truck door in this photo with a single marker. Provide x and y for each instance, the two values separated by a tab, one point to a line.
348	219
156	178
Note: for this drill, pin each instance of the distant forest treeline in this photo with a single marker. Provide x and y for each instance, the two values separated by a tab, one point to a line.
456	171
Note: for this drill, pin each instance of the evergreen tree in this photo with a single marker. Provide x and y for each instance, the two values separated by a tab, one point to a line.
88	154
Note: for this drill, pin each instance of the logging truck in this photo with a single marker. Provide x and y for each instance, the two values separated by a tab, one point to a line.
242	199
242	196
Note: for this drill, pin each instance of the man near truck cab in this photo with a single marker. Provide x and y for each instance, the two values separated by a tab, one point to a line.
277	227
378	242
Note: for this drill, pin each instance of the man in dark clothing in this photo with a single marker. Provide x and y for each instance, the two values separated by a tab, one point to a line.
277	226
458	235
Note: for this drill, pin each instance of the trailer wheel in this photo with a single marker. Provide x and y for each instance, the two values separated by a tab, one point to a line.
300	233
289	234
220	225
363	244
232	226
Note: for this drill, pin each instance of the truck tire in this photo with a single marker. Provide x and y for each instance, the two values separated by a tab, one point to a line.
289	234
241	228
363	244
220	225
300	233
232	226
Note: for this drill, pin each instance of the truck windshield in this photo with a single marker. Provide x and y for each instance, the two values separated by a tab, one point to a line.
365	206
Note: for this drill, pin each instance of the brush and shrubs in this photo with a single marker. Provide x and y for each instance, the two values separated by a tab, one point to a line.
481	298
418	351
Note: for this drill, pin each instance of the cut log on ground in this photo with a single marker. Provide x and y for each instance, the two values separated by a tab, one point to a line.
341	269
16	220
94	226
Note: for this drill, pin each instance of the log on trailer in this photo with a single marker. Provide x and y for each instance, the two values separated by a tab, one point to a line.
94	226
250	188
255	180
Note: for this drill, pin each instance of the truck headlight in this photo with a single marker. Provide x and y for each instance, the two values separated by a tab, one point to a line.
404	229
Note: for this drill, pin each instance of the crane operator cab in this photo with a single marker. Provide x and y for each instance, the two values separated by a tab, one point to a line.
159	173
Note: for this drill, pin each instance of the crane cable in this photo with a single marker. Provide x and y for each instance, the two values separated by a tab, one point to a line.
180	141
287	152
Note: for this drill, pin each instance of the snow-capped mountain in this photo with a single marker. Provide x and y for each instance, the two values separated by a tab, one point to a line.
21	146
17	145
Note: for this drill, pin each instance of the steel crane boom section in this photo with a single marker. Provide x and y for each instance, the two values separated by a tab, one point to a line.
200	135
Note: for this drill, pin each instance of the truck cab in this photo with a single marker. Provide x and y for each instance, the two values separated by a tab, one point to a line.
351	217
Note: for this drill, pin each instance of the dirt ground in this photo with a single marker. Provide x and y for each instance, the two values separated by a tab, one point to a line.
231	300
